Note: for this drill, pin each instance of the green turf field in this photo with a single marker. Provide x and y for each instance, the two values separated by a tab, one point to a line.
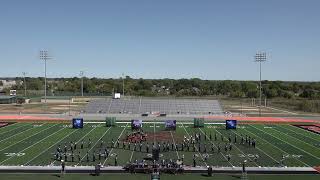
147	177
35	144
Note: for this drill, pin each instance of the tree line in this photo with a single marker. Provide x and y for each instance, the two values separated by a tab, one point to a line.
174	87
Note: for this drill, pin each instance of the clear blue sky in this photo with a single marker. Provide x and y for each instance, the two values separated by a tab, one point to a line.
208	39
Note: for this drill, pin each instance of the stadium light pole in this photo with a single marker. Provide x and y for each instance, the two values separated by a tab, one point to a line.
122	84
260	57
24	83
81	74
44	56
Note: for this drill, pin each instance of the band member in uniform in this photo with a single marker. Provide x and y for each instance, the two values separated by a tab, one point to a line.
93	157
116	160
63	167
87	156
79	157
228	157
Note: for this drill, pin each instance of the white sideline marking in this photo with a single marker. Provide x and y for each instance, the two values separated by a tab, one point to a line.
115	143
157	122
174	142
26	138
276	146
217	147
296	138
131	156
154	132
196	148
17	134
305	135
34	143
94	145
11	129
49	148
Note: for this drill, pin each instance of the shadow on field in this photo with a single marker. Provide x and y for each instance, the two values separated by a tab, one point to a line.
233	176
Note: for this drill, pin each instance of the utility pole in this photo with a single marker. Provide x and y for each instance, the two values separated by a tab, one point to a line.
81	74
44	56
260	57
24	83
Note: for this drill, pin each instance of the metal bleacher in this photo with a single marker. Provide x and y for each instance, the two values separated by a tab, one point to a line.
139	105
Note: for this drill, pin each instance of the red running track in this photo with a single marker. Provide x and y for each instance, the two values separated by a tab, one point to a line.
262	119
28	118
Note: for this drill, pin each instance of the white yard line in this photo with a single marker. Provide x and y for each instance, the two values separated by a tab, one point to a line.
174	142
26	138
217	147
94	145
154	132
17	134
33	144
310	145
12	129
130	160
49	148
292	145
238	149
261	150
277	147
197	149
300	133
80	139
115	144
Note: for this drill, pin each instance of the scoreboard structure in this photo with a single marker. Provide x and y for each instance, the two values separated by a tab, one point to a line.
170	125
111	121
198	122
231	124
136	124
77	123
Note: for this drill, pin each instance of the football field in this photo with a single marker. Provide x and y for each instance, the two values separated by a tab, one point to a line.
36	144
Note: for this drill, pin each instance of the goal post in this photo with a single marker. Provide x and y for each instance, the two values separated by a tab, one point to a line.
111	121
198	122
